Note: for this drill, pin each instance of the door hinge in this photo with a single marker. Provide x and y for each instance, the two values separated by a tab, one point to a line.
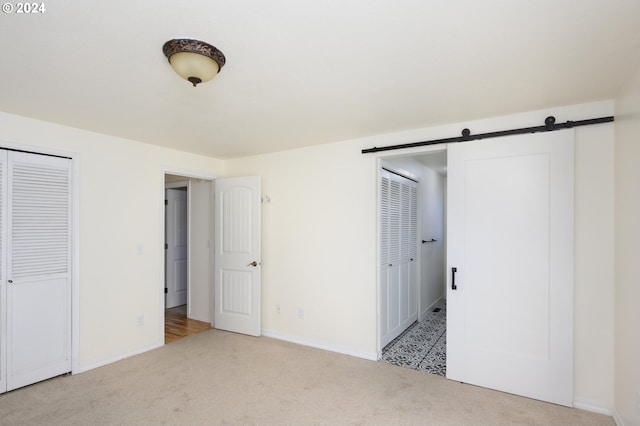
166	246
166	202
166	290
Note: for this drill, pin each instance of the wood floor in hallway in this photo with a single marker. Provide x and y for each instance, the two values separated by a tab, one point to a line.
177	325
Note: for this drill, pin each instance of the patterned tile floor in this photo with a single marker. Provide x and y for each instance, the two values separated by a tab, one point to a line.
423	345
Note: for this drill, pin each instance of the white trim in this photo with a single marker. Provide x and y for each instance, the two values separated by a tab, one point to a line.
37	149
617	418
382	161
426	311
592	406
386	165
75	263
191	174
379	165
116	358
419	224
371	356
179	184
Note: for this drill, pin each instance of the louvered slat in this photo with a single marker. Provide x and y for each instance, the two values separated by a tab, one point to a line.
413	221
405	207
40	220
394	222
384	221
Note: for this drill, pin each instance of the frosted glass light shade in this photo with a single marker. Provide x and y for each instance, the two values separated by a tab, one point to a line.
193	60
192	66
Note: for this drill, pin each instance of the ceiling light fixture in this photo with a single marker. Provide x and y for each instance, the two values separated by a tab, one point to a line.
193	60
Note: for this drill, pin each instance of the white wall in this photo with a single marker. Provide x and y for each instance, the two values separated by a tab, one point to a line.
121	186
594	267
319	246
200	250
627	214
433	187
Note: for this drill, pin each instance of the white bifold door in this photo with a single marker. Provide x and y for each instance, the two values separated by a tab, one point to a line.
510	265
35	268
398	237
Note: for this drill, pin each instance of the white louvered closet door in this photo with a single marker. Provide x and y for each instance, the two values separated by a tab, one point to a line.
398	238
38	267
3	271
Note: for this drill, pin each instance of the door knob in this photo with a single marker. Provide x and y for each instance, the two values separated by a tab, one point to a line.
254	264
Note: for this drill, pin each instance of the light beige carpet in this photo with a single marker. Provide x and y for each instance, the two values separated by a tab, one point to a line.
223	378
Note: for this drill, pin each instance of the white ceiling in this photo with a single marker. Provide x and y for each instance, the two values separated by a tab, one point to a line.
308	72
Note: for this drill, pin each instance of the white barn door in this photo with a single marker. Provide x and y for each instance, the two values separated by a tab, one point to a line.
510	240
36	263
237	292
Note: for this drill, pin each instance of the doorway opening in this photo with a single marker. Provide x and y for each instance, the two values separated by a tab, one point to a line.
188	264
422	345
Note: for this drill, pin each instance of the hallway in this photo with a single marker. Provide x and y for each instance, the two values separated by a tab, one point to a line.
423	345
177	325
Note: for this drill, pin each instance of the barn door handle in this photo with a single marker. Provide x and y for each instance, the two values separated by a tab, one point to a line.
453	278
254	264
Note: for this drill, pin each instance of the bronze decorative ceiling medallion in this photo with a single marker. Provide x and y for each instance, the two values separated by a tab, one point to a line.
193	46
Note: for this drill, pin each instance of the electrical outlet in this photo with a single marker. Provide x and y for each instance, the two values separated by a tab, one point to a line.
140	320
300	313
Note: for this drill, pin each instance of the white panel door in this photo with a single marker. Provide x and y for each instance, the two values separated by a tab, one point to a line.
38	268
510	231
177	247
237	255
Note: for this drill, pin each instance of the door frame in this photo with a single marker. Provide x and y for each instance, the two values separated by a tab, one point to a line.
187	174
75	239
385	160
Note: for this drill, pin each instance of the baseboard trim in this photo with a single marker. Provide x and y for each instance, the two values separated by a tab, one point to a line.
425	312
617	418
83	368
371	356
592	407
